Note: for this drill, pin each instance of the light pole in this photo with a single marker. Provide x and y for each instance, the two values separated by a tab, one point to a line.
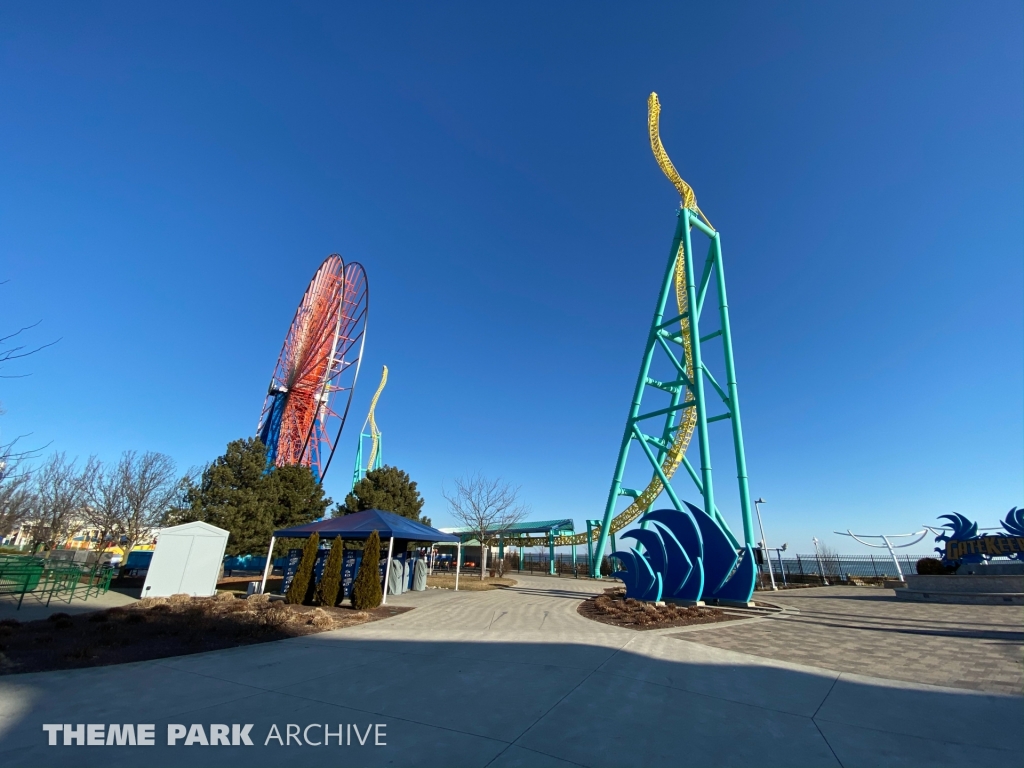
817	557
782	568
764	544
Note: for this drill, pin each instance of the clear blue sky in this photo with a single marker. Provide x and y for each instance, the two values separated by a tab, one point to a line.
171	177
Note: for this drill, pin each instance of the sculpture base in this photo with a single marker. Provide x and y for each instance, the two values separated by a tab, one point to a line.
975	590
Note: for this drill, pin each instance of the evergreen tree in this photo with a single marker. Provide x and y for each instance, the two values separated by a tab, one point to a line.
388	489
300	590
330	581
232	494
235	492
296	498
366	591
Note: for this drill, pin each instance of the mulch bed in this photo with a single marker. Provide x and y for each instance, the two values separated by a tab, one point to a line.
157	627
614	608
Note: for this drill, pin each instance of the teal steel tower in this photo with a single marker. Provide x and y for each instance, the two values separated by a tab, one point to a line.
676	343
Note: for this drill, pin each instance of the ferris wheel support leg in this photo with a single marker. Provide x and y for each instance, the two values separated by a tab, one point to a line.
634	408
734	397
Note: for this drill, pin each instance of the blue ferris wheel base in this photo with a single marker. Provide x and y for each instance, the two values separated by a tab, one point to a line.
686	557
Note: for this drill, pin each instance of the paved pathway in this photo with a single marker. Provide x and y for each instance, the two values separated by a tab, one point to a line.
864	630
32	608
513	678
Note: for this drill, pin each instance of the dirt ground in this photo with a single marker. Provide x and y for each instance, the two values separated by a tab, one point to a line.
612	607
468	583
158	627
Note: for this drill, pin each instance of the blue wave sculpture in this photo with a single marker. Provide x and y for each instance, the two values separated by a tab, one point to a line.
687	557
959	528
1014	525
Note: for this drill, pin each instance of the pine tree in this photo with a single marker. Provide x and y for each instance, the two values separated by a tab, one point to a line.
330	582
366	591
300	588
237	493
388	489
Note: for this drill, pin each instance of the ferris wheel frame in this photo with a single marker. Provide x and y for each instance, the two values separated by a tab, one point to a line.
302	421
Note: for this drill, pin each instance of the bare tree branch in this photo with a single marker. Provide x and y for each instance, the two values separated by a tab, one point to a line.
62	493
128	500
488	508
16	503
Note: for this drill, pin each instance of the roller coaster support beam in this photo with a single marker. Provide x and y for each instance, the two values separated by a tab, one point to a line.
691	382
734	398
732	401
698	366
638	392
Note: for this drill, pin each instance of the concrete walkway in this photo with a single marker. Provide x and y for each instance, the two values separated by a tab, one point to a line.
32	608
512	678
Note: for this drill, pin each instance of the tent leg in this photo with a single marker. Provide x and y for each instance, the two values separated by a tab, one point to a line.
387	570
458	562
268	566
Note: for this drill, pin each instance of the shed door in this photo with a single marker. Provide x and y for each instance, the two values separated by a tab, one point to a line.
204	566
168	566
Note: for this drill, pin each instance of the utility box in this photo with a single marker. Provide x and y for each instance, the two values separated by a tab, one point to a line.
188	559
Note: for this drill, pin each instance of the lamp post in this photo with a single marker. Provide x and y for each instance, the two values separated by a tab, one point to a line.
817	557
782	568
764	544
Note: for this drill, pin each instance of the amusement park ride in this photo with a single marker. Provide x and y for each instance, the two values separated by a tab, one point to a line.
374	436
315	377
687	552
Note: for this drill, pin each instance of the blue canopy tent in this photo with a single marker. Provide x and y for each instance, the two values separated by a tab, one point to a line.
358	526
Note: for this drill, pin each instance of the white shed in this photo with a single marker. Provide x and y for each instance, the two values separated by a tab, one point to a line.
188	559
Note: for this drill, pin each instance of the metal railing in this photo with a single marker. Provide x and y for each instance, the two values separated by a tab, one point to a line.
44	579
834	569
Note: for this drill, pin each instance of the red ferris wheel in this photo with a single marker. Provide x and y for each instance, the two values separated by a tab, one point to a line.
315	377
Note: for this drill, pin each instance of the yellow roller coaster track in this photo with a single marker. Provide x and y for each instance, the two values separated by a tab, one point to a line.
684	430
372	420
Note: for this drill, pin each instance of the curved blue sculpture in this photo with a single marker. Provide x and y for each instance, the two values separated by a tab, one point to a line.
687	557
1014	522
960	529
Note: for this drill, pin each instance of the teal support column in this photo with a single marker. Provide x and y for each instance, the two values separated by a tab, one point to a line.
574	557
591	525
551	553
698	369
734	398
638	391
520	557
501	547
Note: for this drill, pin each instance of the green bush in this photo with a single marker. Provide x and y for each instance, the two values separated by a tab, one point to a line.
330	581
300	590
931	566
366	591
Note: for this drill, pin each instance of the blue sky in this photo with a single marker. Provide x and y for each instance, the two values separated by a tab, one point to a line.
171	177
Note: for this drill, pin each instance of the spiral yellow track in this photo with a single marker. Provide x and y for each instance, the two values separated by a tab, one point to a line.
371	418
684	430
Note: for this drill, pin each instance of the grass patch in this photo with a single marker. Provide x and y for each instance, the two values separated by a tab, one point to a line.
467	583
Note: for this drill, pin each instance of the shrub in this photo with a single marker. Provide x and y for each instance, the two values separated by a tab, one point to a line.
366	591
930	566
330	581
299	589
320	619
